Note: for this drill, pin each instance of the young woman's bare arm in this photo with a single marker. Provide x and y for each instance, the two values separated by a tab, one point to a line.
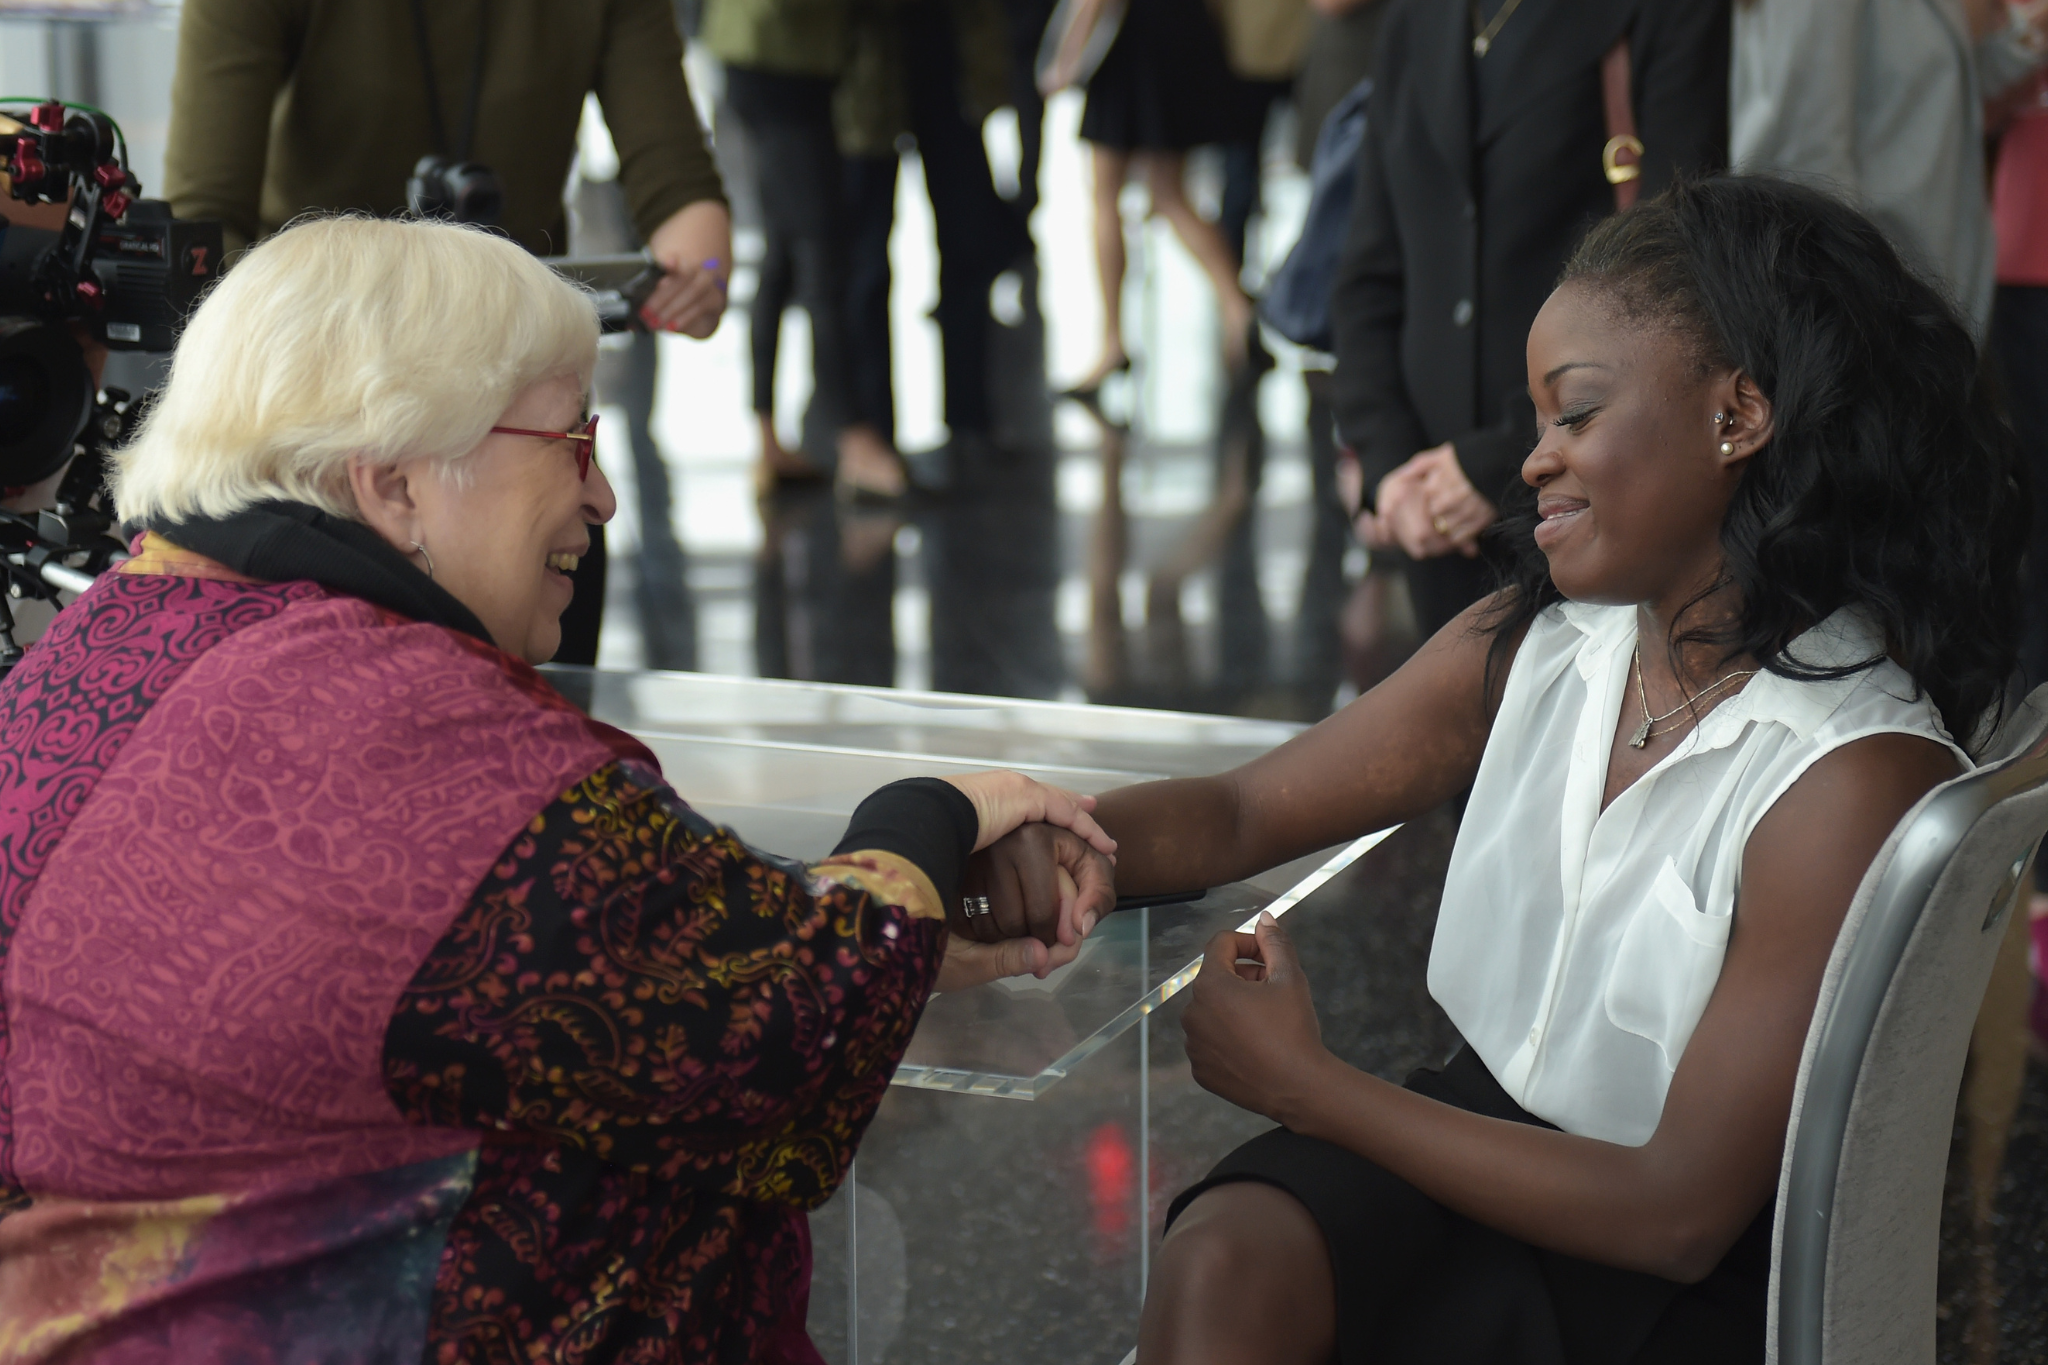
1675	1205
1406	746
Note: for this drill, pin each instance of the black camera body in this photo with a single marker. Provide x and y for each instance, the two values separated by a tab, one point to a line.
457	191
120	268
153	268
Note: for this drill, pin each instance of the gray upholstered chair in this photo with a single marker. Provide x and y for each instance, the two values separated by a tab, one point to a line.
1859	1197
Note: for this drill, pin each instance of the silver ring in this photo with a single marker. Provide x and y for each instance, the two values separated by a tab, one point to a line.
976	906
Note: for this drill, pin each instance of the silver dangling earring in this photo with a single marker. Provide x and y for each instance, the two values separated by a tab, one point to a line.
424	555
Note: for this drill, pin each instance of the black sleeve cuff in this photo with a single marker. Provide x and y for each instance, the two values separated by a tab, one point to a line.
930	822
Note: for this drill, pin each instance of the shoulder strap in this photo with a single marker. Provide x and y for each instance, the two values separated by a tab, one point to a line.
1622	157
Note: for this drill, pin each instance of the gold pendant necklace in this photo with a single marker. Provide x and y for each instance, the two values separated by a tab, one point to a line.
1488	32
1646	731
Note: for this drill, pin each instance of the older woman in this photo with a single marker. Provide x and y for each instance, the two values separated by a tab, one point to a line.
364	1000
1765	598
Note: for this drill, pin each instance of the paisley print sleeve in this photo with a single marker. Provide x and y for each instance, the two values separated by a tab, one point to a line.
632	981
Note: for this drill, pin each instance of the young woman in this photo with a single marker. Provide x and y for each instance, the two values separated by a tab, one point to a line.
1765	599
1163	89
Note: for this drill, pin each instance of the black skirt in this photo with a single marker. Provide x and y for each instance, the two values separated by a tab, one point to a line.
1417	1283
1164	84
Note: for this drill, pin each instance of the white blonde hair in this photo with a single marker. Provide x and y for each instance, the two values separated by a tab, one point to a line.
341	337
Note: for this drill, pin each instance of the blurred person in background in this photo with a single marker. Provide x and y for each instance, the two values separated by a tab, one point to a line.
1026	21
783	59
280	107
1336	56
1481	169
927	74
1163	88
1883	101
1264	41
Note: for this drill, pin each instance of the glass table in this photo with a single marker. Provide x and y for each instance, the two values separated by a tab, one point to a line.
784	764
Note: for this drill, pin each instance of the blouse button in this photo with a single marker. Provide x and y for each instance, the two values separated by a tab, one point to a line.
1535	1035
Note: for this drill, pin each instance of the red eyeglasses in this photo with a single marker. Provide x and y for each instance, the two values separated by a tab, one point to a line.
584	436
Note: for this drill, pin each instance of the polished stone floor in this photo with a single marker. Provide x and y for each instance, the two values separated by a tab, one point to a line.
1196	560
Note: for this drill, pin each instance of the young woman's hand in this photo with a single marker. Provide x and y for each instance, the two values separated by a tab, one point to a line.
1251	1027
1041	881
1005	800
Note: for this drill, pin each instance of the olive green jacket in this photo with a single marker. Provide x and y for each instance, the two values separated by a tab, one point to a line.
790	37
282	106
871	107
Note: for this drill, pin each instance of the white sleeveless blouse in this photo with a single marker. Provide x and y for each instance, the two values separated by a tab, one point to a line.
1576	948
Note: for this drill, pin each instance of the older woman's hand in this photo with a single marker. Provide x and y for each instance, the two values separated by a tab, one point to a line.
1005	800
1041	881
971	964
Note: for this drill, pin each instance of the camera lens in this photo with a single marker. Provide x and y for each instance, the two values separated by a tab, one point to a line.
46	394
24	397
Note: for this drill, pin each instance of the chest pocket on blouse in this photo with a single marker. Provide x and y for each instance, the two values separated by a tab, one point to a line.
1665	968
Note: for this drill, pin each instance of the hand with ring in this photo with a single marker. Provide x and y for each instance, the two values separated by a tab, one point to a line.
1430	509
1042	868
1028	901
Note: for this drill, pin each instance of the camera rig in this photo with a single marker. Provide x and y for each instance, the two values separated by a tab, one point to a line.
117	270
120	270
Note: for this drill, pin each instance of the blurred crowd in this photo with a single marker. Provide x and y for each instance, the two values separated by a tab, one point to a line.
1463	149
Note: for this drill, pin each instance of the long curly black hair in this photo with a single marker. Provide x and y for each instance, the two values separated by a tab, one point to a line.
1891	480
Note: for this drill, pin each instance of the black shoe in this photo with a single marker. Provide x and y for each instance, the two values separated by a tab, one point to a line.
1090	395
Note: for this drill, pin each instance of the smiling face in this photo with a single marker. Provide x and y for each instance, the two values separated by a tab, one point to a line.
1631	481
506	523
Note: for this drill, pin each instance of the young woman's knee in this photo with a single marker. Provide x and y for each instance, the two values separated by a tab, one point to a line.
1243	1277
1241	1234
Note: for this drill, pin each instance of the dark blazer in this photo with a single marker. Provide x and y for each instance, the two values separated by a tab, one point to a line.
1458	233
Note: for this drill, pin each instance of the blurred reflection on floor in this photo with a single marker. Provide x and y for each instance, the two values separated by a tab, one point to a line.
1211	578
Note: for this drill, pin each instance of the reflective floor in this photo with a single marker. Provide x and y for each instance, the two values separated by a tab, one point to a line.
1195	561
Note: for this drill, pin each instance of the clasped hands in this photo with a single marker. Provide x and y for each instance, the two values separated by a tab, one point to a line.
1049	873
1047	870
1427	507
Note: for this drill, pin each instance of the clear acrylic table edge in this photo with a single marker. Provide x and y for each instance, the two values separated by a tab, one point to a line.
996	1085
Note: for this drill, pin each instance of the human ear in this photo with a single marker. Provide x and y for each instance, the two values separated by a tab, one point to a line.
1743	421
384	499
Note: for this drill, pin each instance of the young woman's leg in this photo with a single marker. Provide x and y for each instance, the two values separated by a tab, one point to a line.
1244	1276
772	295
1163	176
1111	165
